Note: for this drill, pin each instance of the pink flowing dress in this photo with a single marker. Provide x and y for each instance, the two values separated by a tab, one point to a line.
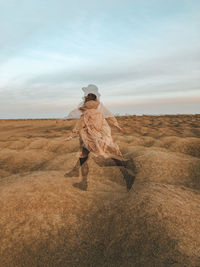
95	132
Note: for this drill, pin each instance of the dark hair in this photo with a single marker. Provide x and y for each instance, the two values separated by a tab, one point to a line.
90	96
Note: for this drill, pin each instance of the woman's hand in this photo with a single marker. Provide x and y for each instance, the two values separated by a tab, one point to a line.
68	138
122	130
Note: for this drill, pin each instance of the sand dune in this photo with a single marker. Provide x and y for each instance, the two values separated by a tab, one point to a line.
48	221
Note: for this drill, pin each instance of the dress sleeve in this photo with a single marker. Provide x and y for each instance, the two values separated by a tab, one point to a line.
113	121
108	115
75	113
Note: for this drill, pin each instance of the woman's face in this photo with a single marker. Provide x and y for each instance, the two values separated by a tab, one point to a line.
86	97
90	97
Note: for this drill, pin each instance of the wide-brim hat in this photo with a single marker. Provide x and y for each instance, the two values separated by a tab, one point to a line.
91	89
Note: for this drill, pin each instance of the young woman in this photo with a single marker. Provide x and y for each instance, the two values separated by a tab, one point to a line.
95	136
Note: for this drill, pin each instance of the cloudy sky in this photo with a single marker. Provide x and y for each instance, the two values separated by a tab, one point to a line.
144	55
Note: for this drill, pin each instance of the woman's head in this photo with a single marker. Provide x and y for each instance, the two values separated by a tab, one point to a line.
92	89
90	96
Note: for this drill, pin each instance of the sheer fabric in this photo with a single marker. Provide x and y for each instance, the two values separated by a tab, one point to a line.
76	113
93	128
95	133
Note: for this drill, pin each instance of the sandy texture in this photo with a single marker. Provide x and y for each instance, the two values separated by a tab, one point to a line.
46	221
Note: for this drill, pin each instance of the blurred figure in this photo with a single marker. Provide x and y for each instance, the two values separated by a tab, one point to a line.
95	136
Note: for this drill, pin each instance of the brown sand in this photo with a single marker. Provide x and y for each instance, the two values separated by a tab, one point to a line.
46	221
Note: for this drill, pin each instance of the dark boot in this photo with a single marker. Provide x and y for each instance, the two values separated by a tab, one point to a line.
129	181
129	178
83	185
129	164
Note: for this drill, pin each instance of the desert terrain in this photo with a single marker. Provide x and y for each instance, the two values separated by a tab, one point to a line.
47	221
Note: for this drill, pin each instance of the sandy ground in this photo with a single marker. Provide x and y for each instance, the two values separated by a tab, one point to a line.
46	221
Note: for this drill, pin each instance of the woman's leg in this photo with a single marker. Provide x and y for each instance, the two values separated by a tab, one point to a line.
123	166
84	171
75	171
83	163
106	162
129	178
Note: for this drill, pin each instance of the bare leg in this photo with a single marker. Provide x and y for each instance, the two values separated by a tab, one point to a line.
105	162
75	171
127	163
84	171
123	165
102	162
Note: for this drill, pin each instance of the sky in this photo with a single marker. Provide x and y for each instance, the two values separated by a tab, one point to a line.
143	55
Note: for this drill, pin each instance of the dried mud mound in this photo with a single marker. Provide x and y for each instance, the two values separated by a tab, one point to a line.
47	221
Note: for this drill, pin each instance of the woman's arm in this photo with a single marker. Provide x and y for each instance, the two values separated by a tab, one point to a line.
75	130
114	122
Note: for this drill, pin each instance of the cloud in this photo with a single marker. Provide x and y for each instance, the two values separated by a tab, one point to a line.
131	49
175	72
